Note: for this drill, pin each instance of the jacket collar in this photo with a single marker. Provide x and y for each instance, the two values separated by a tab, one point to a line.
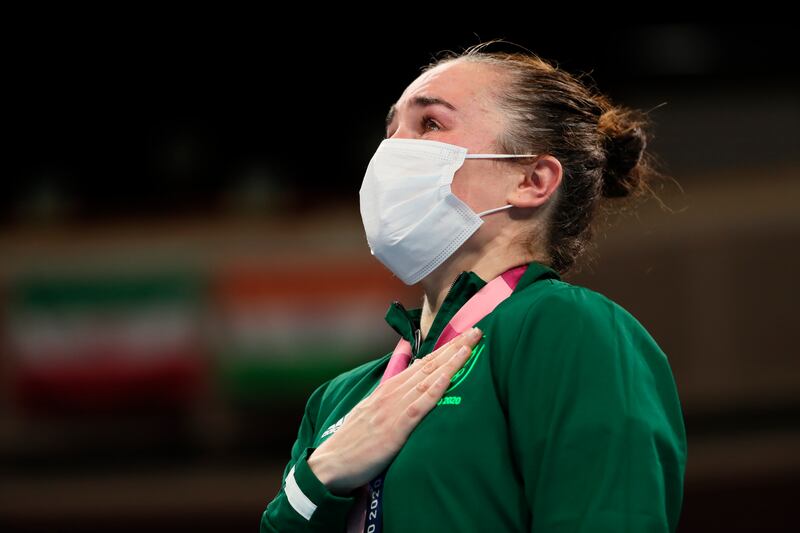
406	321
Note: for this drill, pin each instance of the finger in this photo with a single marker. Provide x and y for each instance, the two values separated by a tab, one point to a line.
423	367
466	338
427	392
445	369
427	365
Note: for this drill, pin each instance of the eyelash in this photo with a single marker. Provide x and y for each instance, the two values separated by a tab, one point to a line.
425	119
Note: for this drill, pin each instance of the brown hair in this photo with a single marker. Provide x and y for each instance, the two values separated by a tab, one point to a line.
601	146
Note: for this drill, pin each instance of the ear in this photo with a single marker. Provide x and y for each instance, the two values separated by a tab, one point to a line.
536	182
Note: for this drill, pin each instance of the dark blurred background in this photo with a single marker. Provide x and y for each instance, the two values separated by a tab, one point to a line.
182	259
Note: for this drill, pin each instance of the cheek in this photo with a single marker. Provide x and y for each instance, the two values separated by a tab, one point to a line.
472	181
461	185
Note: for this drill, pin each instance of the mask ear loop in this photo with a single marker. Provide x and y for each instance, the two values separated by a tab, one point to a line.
495	156
509	206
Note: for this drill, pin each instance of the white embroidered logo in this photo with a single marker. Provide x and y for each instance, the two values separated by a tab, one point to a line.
333	427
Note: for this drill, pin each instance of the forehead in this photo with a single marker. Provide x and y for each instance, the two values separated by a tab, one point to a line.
465	85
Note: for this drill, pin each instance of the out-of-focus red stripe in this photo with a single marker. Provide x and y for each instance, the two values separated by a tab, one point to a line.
109	383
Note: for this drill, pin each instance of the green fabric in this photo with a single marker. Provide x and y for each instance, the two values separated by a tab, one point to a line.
566	417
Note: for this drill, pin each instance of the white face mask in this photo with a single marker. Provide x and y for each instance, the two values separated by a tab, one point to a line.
412	219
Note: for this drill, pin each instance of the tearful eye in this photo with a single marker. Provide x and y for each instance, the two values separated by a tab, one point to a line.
428	120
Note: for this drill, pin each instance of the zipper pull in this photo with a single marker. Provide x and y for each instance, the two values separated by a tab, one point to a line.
417	339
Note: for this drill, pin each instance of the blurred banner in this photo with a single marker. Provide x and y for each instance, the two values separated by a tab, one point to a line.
105	343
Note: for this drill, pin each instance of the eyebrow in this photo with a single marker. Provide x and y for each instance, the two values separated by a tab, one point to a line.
420	101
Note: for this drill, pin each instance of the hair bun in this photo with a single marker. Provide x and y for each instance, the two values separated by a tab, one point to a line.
624	142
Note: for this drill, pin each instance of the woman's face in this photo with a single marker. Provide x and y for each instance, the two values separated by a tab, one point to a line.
452	103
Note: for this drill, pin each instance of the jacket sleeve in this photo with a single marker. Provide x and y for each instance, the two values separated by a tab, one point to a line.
595	420
303	502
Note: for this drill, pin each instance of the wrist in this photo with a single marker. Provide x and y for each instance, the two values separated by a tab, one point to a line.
321	468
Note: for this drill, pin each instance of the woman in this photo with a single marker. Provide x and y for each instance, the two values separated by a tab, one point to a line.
561	413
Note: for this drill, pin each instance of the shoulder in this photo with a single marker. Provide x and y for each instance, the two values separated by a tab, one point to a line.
552	322
559	294
560	304
575	345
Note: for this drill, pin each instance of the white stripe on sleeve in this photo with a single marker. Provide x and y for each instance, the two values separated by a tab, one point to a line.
297	499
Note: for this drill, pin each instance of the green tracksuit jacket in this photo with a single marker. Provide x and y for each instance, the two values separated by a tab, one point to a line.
565	418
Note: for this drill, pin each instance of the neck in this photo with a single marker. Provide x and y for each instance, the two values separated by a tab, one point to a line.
487	265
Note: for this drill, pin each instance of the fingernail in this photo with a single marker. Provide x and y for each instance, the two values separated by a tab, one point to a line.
475	332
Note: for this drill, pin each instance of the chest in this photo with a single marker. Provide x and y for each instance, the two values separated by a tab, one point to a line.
457	463
456	468
456	434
